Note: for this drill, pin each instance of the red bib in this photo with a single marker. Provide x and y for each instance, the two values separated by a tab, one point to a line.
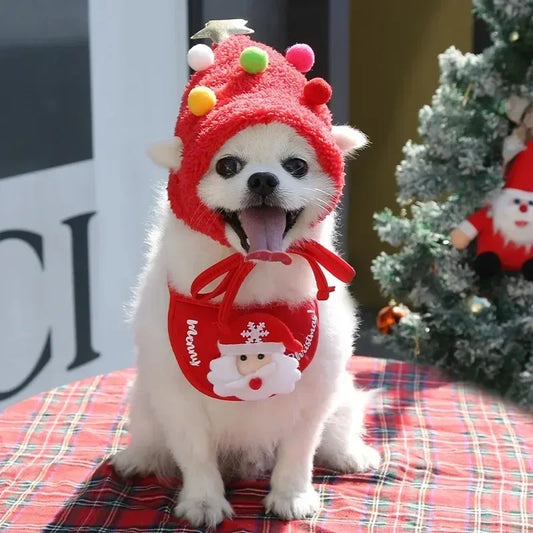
243	367
194	331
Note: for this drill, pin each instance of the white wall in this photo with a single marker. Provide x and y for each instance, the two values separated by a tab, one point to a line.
137	81
138	71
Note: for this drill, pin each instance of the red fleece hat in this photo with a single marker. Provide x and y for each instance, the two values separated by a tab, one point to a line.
257	333
520	174
278	94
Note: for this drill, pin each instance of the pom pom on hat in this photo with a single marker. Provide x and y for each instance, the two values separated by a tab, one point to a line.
254	60
317	91
200	57
201	100
301	57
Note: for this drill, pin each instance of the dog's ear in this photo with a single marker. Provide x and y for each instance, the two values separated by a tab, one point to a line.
348	139
167	153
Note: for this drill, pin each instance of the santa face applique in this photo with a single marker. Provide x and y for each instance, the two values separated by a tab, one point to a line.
252	363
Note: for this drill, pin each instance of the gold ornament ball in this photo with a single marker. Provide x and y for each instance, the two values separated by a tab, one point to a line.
201	100
389	316
478	304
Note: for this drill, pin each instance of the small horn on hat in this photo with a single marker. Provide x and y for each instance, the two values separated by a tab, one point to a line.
167	154
349	139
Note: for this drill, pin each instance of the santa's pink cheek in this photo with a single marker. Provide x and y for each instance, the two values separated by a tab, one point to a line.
255	383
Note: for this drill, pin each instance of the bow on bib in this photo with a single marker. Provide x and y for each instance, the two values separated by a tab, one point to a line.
236	268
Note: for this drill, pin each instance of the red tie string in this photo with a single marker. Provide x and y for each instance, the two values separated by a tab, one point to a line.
236	268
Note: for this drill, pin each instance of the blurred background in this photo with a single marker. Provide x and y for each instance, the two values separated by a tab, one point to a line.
88	84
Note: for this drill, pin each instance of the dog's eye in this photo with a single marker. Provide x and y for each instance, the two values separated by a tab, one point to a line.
296	167
243	357
260	356
228	166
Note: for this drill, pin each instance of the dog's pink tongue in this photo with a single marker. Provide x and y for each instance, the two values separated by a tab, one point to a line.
265	227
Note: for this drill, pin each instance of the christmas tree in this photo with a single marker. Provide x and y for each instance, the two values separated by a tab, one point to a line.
449	313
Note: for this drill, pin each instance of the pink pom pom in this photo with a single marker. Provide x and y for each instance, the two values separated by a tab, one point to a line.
317	91
301	56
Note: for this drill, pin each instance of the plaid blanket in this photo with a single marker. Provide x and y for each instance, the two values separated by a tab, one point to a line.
455	460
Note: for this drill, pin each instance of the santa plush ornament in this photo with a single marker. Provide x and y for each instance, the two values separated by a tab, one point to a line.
258	358
504	228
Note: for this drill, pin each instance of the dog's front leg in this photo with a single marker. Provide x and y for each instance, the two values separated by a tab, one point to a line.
292	495
201	500
188	437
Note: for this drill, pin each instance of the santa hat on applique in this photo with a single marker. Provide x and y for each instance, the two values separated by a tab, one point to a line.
240	83
520	173
257	333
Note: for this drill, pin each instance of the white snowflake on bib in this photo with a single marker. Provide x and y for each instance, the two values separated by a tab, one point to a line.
254	333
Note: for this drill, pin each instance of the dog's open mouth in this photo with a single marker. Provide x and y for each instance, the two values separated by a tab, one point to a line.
261	229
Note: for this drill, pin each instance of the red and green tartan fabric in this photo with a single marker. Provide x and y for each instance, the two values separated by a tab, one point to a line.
455	459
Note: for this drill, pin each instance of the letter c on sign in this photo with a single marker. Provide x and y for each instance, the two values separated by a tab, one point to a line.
35	241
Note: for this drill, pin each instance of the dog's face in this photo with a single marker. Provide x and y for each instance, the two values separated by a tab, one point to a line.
267	184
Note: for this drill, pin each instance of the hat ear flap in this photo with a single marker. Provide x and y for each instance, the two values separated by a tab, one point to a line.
349	139
167	153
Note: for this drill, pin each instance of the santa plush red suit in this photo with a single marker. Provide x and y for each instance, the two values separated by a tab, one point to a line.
504	229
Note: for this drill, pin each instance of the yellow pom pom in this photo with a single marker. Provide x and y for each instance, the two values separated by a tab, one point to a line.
201	100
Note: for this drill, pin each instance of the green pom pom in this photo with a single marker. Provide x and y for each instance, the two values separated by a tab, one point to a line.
254	60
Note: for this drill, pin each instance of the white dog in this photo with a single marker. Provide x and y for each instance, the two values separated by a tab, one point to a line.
171	422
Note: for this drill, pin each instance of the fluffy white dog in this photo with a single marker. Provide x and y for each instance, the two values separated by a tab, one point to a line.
171	422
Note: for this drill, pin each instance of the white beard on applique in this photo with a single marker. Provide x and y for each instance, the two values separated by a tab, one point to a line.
277	377
515	226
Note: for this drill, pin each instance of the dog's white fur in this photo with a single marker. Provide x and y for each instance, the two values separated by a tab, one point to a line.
172	423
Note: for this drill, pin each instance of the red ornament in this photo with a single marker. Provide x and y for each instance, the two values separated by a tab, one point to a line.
317	91
389	316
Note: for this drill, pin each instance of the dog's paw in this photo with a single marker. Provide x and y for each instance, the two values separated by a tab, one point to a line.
129	462
361	458
208	511
290	505
135	461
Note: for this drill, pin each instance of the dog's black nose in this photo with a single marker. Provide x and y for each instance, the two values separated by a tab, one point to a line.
263	183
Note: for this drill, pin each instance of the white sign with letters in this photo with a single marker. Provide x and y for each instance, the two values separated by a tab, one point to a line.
72	237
